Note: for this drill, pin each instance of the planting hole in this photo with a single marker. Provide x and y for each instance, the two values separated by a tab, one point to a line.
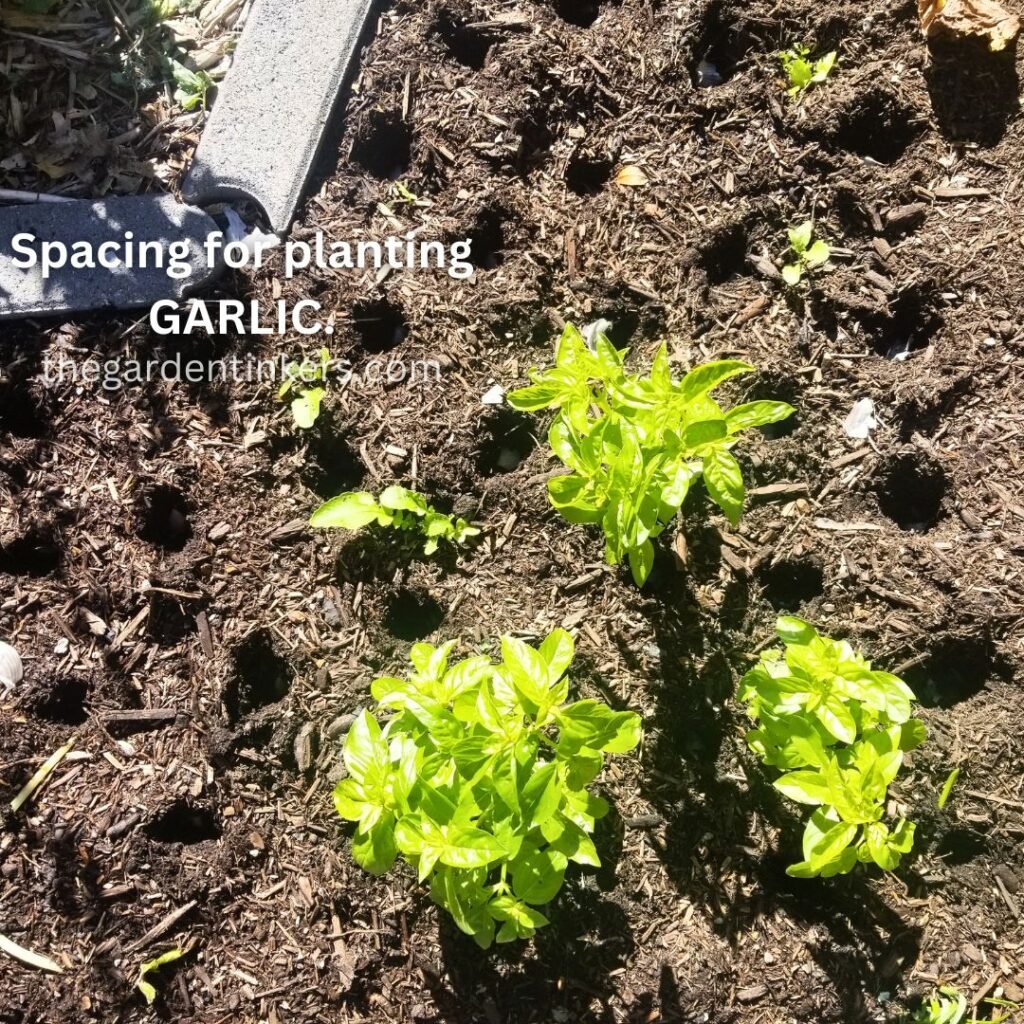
772	386
508	438
261	677
956	669
20	415
487	240
63	700
380	325
725	256
183	822
792	582
333	467
624	324
582	13
163	518
723	45
910	327
880	127
586	175
465	44
384	149
911	492
35	553
960	846
170	619
412	617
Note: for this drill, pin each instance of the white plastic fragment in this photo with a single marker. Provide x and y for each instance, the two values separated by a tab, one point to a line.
256	242
495	396
11	669
28	956
708	76
861	420
591	331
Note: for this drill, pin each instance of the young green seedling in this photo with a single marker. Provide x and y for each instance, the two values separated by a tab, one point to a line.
398	508
808	253
150	966
635	444
839	729
191	87
304	382
802	72
946	1005
480	779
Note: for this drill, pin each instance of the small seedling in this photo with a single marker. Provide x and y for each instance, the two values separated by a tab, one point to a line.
635	444
147	989
304	382
191	87
802	72
398	508
809	254
405	194
479	780
947	788
946	1005
839	729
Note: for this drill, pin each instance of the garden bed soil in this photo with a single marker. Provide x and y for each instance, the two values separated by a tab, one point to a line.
153	552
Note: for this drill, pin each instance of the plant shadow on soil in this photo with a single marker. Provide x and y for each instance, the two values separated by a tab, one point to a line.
713	820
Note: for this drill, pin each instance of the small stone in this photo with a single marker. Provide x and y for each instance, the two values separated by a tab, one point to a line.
331	615
1008	878
219	532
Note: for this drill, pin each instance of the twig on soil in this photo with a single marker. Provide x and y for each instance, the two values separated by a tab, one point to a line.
994	799
162	927
40	776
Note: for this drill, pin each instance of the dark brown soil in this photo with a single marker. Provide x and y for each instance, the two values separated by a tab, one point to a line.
153	553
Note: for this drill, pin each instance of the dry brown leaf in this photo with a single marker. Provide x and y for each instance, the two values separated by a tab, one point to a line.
984	18
630	175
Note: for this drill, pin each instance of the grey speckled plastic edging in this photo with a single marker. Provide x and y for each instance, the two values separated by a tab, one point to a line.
271	112
24	291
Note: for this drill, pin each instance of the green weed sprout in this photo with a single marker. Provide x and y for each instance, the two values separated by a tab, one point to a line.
801	72
808	253
150	966
191	87
398	508
304	382
839	729
480	779
635	444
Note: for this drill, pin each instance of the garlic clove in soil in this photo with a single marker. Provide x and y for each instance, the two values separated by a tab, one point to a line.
11	670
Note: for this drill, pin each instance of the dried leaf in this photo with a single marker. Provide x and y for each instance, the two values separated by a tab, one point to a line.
632	176
984	18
